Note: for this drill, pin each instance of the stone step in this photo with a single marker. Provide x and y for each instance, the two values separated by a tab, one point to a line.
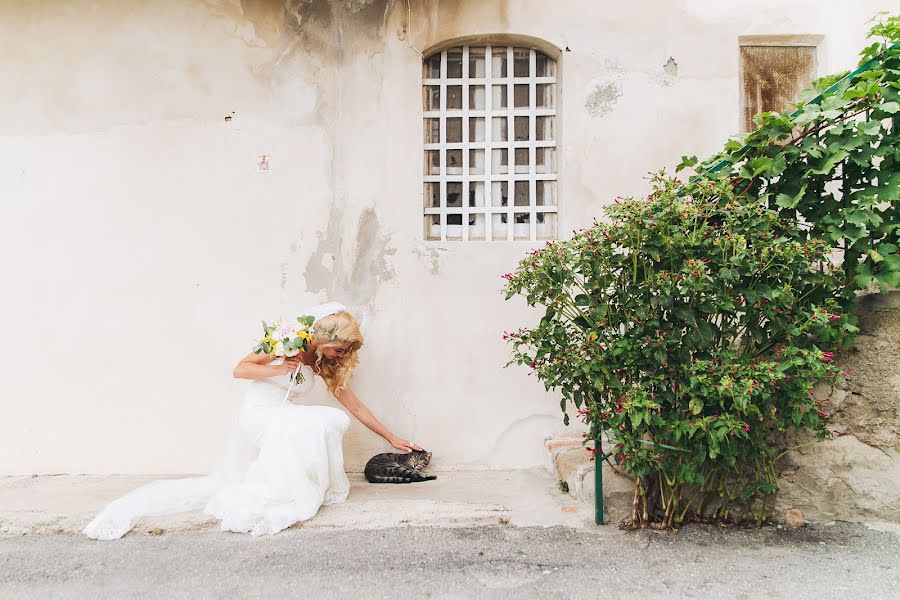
571	464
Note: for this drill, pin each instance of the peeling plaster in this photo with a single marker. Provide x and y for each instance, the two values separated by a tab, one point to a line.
669	73
602	98
356	283
604	90
671	67
286	264
429	253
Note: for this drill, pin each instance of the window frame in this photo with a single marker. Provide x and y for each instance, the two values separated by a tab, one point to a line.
488	208
779	41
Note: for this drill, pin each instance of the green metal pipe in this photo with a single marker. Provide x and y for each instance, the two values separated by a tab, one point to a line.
598	482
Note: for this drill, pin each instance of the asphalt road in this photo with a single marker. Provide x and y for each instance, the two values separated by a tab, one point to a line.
840	561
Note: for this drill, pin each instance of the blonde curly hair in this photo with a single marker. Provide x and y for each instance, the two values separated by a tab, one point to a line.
331	331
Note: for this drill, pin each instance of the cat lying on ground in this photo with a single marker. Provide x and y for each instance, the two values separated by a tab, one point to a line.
398	468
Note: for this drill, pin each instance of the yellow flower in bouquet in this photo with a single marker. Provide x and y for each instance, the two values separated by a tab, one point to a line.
285	339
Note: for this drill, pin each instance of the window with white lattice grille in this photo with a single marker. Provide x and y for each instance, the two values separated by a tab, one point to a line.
490	144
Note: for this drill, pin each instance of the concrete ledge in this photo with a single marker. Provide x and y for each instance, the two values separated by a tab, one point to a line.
65	503
569	462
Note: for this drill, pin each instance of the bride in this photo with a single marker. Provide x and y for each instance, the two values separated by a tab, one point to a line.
284	460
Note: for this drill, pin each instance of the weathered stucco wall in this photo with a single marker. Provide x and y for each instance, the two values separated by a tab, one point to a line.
856	474
142	244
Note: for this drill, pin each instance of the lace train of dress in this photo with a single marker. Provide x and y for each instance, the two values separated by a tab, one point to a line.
284	461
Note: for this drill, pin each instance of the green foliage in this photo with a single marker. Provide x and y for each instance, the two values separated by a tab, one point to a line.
693	324
691	330
833	165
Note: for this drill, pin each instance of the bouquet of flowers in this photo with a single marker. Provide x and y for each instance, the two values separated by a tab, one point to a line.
285	339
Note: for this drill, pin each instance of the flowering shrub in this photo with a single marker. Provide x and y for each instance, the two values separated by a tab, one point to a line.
692	329
693	325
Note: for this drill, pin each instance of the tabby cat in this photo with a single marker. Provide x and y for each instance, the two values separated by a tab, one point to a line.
398	468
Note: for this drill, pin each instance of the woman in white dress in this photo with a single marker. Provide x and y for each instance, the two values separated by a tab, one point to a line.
284	460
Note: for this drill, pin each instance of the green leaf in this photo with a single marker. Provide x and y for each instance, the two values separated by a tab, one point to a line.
705	331
728	275
685	314
695	405
887	248
686	161
889	279
857	217
785	201
777	167
863	280
830	163
755	166
636	418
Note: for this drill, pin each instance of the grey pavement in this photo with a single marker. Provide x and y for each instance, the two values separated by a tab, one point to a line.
820	561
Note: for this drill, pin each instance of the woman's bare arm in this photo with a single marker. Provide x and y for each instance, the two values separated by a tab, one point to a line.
256	366
365	416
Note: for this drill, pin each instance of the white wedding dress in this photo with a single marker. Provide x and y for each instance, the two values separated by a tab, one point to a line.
283	462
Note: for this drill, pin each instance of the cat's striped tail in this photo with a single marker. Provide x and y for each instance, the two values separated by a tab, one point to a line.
398	474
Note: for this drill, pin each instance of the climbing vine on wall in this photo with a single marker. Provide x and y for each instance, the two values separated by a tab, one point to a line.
832	167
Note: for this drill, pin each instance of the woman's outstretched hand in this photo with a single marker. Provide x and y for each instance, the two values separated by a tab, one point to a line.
401	444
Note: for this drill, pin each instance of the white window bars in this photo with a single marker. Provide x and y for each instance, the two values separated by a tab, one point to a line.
490	144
